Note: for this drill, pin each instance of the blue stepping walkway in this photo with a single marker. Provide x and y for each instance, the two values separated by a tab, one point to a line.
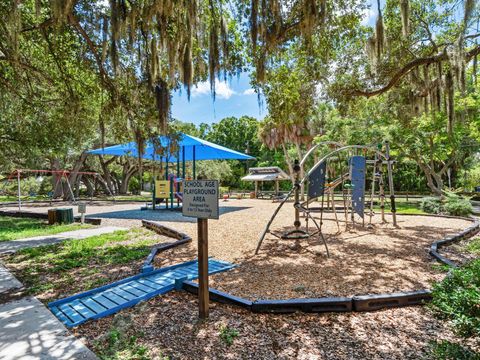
109	299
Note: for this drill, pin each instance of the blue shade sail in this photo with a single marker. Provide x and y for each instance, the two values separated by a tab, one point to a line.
195	149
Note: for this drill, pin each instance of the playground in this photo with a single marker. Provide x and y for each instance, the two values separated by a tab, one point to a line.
384	259
336	242
362	261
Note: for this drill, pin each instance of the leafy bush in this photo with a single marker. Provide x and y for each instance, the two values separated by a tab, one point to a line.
457	205
446	350
228	334
451	204
431	205
457	299
134	185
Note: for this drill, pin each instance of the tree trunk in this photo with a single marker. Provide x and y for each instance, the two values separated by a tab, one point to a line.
302	171
289	164
106	175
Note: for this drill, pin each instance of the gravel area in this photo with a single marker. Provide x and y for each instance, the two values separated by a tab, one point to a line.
381	259
168	327
362	261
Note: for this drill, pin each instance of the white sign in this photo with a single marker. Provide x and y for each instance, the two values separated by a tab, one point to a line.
200	199
82	208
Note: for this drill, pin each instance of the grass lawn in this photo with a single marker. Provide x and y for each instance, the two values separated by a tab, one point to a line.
402	208
473	246
63	269
19	228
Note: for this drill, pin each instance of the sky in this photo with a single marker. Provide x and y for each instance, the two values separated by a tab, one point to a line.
234	97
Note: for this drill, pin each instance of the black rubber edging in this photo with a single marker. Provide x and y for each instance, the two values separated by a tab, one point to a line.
448	240
357	303
377	302
308	305
160	229
218	296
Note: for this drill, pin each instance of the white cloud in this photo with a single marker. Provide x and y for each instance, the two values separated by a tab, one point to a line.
249	92
222	90
369	16
202	88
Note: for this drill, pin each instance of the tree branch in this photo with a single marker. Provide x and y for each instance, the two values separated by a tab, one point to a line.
103	74
405	70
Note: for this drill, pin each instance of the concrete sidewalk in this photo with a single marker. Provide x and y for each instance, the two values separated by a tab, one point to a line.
28	330
15	245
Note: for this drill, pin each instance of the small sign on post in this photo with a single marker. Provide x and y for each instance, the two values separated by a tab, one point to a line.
200	200
82	209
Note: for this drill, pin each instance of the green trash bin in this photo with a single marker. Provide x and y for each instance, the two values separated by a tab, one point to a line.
60	216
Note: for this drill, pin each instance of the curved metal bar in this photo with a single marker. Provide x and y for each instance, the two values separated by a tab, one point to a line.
347	147
309	152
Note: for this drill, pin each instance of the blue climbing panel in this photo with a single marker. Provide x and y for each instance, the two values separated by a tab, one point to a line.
109	299
357	176
316	181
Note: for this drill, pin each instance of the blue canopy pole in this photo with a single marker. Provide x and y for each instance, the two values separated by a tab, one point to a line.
177	188
166	178
154	178
183	162
194	169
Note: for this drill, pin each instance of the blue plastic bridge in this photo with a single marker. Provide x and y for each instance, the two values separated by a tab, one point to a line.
109	299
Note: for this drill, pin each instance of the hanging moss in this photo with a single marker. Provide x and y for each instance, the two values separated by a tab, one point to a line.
379	35
449	90
405	13
162	95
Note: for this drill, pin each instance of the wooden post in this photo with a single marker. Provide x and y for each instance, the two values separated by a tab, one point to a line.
203	298
390	183
19	191
256	189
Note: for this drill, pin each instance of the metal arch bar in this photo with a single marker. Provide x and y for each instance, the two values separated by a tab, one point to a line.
366	147
309	152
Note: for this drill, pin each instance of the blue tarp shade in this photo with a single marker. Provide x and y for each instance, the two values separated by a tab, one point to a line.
204	150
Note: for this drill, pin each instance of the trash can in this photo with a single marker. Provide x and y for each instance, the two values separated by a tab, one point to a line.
60	216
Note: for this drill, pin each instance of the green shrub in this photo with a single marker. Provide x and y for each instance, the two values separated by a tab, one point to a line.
457	299
451	204
446	350
431	205
457	205
228	334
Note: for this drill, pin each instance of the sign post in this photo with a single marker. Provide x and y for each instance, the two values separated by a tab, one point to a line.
200	200
82	209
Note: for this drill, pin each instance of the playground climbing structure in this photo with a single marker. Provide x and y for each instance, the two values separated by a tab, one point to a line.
344	168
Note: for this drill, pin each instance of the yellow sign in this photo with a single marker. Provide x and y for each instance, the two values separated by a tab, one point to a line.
162	189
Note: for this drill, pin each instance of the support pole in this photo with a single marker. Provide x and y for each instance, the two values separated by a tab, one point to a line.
372	190
194	165
166	178
19	191
183	162
203	296
390	183
296	168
